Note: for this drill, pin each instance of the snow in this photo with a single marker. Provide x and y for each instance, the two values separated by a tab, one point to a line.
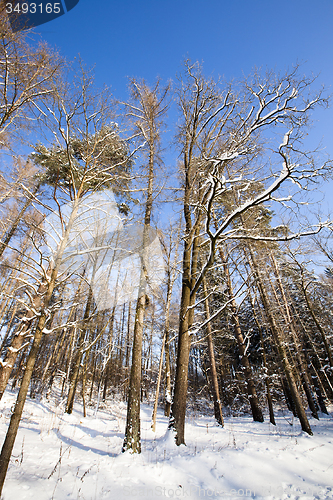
59	456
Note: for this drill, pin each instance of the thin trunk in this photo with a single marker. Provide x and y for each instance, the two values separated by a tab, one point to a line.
78	358
93	377
132	439
108	366
318	325
19	341
289	324
280	345
267	376
167	405
4	244
153	425
212	365
127	352
251	389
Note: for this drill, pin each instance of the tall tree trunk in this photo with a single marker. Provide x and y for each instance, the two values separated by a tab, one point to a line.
212	365
132	439
280	345
292	328
267	376
251	389
159	376
178	408
78	357
167	404
148	110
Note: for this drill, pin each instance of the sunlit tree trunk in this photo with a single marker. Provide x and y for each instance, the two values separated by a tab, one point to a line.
251	389
280	344
292	327
148	113
212	364
267	375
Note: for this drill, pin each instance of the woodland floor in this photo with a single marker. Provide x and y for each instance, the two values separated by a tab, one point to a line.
60	456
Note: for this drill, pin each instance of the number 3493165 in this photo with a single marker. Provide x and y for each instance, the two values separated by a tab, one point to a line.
33	8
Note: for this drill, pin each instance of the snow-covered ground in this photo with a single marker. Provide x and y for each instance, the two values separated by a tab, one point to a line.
59	456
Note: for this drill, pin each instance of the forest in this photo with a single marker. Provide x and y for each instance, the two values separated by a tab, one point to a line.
168	250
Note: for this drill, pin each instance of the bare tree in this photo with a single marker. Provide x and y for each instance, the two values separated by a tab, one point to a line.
224	132
148	109
28	73
88	156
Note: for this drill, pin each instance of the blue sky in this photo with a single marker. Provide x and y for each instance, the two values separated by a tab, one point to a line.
150	38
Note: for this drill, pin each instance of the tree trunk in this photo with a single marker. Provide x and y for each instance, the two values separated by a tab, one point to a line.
77	361
267	376
17	345
288	396
290	325
108	366
11	232
148	110
167	405
178	408
247	371
212	365
280	346
153	425
132	439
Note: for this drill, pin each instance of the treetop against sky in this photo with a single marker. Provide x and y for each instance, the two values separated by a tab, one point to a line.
147	39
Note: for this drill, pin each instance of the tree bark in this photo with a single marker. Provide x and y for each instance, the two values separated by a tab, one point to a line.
292	328
251	389
16	346
167	404
178	408
280	346
159	376
267	376
77	360
212	364
132	439
148	112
